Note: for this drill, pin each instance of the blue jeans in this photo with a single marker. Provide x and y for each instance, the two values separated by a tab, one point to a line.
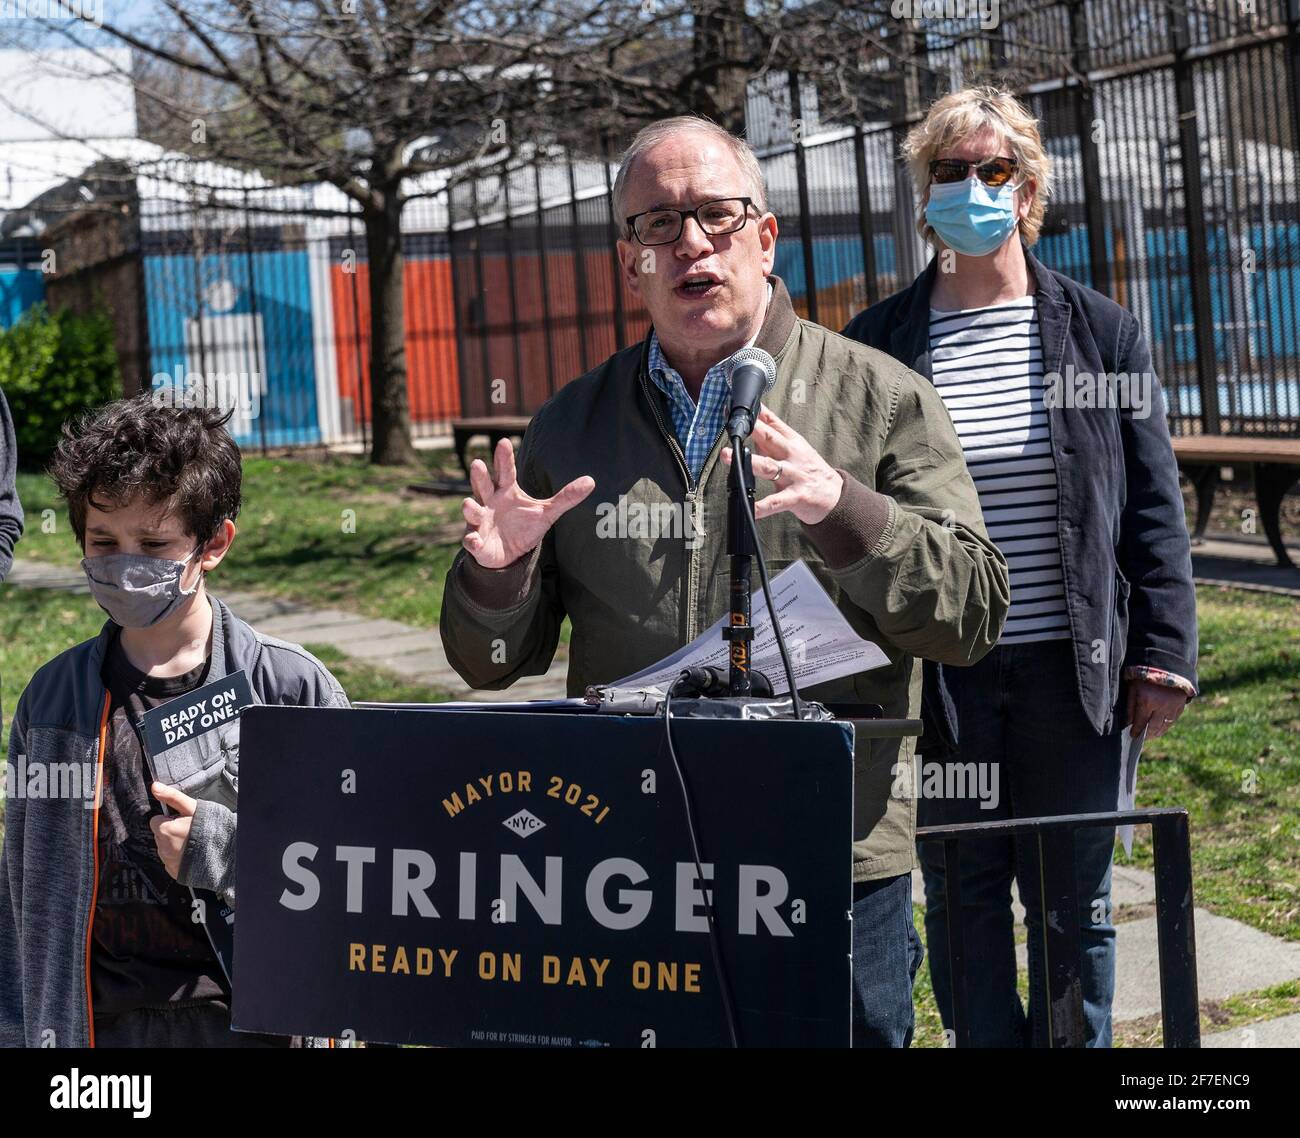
886	955
1021	722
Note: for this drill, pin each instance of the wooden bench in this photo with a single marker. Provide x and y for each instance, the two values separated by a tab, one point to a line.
495	428
1275	464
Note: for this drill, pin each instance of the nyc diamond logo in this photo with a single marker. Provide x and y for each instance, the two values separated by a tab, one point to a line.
525	823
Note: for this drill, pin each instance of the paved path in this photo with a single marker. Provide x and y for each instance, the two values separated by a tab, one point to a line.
1244	563
1231	957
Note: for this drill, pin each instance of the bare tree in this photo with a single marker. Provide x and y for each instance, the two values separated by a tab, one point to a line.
361	95
369	95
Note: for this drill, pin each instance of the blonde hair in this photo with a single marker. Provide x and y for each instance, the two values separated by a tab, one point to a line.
965	113
657	132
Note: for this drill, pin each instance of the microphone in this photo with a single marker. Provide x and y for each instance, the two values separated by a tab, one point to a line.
751	373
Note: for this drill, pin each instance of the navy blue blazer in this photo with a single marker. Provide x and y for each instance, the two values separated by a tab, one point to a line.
1125	549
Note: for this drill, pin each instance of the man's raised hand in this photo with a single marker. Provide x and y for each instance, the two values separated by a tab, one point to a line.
502	523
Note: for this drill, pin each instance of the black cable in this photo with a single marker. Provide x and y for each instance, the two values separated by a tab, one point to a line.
737	457
705	888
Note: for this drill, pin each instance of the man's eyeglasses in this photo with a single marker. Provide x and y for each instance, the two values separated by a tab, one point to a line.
664	226
994	172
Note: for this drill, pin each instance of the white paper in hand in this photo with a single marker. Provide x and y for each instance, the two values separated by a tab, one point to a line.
821	643
1131	751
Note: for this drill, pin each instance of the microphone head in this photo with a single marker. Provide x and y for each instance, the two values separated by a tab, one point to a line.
755	357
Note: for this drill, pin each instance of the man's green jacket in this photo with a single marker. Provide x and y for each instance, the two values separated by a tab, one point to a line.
903	554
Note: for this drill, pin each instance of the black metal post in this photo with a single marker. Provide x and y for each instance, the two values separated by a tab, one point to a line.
864	214
145	353
480	289
616	275
739	633
1293	67
545	278
1176	931
252	307
514	292
1059	906
805	205
1189	148
360	412
956	942
1058	898
459	315
1094	203
197	246
579	266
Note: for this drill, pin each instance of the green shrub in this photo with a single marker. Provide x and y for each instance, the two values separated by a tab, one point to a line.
52	367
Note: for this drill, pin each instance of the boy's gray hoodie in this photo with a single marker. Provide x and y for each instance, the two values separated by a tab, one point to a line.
49	872
11	511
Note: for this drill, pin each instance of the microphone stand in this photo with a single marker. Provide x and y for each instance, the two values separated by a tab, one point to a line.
739	634
740	681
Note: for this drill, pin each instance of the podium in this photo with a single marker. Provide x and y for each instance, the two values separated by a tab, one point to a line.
483	878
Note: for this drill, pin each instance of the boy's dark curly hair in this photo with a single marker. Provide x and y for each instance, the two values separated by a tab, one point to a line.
179	457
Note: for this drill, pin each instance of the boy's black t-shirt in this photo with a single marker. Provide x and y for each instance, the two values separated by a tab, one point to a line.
149	959
147	951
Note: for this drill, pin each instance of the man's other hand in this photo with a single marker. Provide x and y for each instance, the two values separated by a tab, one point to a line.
806	484
502	522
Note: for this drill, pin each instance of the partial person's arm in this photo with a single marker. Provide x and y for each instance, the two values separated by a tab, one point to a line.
11	510
1155	551
914	552
1154	555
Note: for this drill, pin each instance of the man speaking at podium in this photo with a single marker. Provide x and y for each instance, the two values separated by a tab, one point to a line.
868	487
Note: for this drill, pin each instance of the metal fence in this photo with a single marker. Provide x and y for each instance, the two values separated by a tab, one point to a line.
260	288
1172	125
1050	845
1173	133
257	295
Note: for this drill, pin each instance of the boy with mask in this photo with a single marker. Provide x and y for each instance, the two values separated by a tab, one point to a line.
98	884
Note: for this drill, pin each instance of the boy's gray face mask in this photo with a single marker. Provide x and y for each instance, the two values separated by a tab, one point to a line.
137	591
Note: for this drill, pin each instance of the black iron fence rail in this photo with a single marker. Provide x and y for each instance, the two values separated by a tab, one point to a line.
1175	921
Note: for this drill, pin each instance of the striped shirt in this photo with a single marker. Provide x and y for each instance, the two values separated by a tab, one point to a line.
988	368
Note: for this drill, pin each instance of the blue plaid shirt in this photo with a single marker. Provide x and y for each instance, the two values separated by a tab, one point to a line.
697	425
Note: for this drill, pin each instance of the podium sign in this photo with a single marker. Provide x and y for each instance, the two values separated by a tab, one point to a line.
494	878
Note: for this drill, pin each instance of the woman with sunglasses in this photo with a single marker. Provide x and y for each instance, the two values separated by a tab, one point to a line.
1079	489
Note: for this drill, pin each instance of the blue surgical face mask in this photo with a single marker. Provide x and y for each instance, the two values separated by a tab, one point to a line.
135	590
971	217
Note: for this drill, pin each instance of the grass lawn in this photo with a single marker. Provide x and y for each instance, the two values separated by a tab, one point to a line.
35	626
332	532
1233	759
